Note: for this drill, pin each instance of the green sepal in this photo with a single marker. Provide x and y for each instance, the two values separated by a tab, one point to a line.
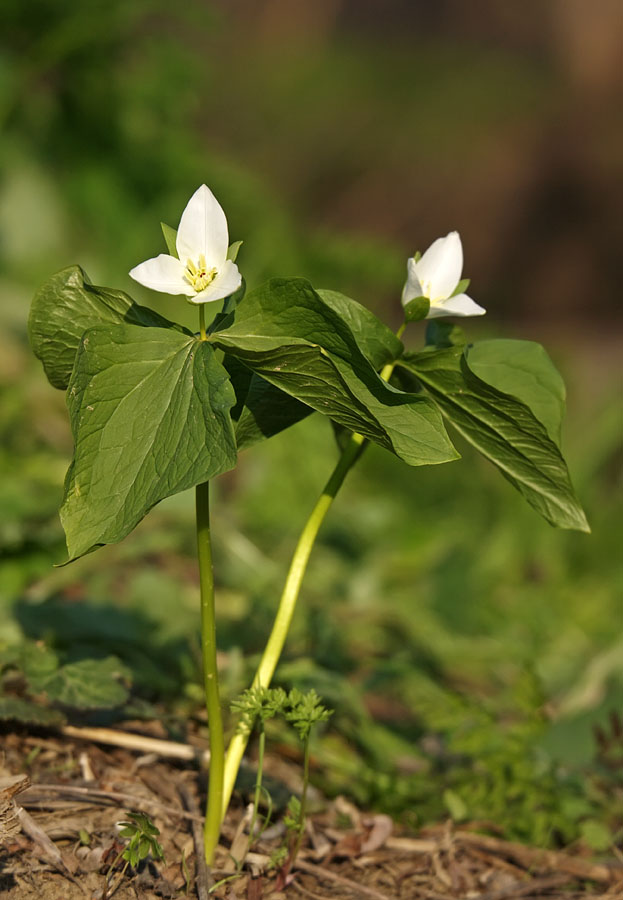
149	411
65	306
417	309
504	429
233	250
461	287
170	239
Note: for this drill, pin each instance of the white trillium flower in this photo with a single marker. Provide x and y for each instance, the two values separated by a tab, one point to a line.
202	273
436	276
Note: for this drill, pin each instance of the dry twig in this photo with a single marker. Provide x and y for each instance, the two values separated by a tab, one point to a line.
203	877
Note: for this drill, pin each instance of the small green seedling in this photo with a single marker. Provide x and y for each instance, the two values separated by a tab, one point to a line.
143	841
303	711
258	705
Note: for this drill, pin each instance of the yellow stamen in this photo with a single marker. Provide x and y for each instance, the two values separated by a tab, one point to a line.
199	276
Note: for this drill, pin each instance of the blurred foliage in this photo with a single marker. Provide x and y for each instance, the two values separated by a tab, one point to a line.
467	648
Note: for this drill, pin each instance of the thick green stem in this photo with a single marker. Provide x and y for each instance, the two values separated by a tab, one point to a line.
210	673
287	603
279	632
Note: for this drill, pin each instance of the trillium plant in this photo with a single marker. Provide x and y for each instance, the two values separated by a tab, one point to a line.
156	409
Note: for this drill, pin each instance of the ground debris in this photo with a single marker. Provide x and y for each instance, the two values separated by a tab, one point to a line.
72	838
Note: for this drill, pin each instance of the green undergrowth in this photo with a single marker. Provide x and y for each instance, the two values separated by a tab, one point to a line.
466	647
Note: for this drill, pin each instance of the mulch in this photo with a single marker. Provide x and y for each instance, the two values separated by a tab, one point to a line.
58	839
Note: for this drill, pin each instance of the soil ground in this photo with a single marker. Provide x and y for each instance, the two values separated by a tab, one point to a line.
59	839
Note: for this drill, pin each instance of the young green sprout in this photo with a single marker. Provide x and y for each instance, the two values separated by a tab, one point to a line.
303	711
259	705
143	841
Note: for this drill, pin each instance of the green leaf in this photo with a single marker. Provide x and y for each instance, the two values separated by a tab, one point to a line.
504	430
38	663
149	412
444	334
264	410
417	309
18	710
89	684
261	410
524	370
170	238
377	342
286	334
65	306
597	835
455	805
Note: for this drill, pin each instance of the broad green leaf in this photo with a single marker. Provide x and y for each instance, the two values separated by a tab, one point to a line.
38	663
377	342
440	333
90	684
24	711
264	410
261	410
149	411
286	334
504	430
524	370
65	306
170	238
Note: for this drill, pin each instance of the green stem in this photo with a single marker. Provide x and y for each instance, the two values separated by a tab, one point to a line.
287	603
279	632
202	323
258	780
210	673
303	807
107	894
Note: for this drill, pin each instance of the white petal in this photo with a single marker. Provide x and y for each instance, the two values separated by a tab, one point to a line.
441	266
203	229
226	282
461	305
412	287
162	273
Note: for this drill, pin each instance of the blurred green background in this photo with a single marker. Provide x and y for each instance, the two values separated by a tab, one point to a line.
468	649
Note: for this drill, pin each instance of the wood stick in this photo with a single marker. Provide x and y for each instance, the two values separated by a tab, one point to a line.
529	857
326	874
130	741
117	797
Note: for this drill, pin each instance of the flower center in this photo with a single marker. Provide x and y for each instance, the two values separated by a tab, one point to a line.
427	291
198	275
